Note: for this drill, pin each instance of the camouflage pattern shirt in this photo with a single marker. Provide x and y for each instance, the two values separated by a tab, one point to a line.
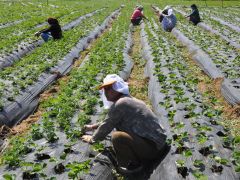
131	115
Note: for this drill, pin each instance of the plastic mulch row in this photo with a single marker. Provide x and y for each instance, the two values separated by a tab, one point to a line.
235	28
26	48
100	164
10	23
168	168
210	29
230	88
25	104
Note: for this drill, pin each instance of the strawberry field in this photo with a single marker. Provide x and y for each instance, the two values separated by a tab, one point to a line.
48	90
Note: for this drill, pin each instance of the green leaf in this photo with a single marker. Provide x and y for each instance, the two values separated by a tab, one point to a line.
200	176
198	163
237	168
236	140
63	156
236	155
78	168
221	160
187	153
39	167
98	147
9	176
180	163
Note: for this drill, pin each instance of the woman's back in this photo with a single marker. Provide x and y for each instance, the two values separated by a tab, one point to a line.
169	22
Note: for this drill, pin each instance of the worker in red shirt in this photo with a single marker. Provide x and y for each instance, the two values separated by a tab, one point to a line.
137	16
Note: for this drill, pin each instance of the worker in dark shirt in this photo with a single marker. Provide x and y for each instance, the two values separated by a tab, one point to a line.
194	17
53	31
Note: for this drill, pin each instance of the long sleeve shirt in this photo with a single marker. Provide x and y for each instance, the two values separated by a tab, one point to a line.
136	14
55	30
169	22
131	115
194	16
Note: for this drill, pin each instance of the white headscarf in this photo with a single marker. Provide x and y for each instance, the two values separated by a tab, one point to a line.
118	84
170	12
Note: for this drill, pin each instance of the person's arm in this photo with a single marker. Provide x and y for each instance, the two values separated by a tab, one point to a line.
192	13
47	29
90	127
103	130
154	8
144	16
43	31
114	116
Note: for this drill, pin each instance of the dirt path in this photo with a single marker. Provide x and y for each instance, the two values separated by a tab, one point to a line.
138	82
138	85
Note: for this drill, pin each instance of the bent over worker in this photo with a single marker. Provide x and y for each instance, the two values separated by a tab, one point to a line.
167	18
137	15
138	137
194	17
53	31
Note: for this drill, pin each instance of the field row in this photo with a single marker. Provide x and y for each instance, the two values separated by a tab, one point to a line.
51	149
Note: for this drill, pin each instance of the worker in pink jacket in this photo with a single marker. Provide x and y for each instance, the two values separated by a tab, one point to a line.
137	16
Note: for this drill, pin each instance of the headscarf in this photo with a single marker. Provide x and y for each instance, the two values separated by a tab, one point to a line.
118	84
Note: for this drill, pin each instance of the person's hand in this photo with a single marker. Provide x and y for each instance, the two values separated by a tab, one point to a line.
88	127
87	138
37	34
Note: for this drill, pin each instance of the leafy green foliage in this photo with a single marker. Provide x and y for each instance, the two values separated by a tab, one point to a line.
180	163
199	175
76	169
98	147
11	157
9	176
198	163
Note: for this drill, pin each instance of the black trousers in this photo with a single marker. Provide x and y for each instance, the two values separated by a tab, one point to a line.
136	21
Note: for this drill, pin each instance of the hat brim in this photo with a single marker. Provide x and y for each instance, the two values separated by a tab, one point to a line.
106	84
